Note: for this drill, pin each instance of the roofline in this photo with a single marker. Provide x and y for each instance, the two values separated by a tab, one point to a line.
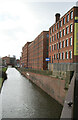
64	15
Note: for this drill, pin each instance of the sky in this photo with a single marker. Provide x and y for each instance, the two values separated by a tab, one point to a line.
21	21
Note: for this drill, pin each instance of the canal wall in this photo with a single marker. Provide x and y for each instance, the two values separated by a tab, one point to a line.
52	86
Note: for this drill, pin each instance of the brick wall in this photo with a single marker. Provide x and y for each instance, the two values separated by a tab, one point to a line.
38	51
53	51
52	86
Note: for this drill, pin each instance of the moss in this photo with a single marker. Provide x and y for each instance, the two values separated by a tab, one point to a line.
1	80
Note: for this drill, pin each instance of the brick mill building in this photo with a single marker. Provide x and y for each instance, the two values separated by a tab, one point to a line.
38	51
63	38
24	56
34	53
62	46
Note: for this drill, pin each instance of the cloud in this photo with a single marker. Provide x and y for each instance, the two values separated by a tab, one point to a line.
21	22
17	25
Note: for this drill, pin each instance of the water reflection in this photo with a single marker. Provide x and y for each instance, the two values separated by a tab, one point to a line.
22	99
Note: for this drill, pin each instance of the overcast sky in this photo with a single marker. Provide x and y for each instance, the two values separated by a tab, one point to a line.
22	21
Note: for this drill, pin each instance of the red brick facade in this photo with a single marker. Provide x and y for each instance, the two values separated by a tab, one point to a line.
61	38
38	51
6	60
24	57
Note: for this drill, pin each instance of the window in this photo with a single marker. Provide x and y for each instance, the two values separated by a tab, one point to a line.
63	43
64	21
61	23
66	55
66	42
67	30
71	28
68	18
70	41
57	25
50	31
71	15
54	56
63	32
60	45
47	35
53	28
60	33
50	39
70	54
59	55
55	36
52	59
50	48
63	55
57	45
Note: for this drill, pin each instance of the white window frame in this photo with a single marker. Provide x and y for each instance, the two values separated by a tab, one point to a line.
53	28
67	30
71	54
50	39
71	41
67	42
60	33
58	45
71	28
50	47
67	17
63	55
61	23
64	32
71	15
67	55
53	38
57	35
64	21
58	25
64	43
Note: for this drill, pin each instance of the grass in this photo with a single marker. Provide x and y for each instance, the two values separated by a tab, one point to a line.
42	72
1	80
4	69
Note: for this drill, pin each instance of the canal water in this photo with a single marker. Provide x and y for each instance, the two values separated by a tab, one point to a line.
23	99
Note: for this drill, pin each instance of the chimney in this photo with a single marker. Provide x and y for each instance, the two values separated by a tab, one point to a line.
57	17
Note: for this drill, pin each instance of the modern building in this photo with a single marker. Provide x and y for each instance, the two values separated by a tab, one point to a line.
63	38
38	51
24	56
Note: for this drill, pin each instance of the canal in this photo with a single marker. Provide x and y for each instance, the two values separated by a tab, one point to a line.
23	99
